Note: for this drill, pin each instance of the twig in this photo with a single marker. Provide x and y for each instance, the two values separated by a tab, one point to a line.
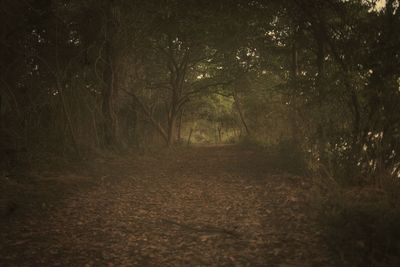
203	228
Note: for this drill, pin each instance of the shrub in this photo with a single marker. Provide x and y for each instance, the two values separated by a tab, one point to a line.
362	227
286	155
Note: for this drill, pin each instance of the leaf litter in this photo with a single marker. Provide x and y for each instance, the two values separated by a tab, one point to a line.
205	206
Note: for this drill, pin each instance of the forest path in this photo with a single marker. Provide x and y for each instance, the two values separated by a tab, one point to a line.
207	206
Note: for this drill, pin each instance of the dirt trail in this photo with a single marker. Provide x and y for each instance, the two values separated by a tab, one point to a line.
208	206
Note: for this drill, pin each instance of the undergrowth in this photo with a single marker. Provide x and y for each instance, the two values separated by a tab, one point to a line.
286	155
361	224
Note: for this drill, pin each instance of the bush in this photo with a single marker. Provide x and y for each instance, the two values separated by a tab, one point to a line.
286	156
290	157
250	141
362	225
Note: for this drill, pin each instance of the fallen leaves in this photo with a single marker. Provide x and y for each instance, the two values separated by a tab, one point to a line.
206	207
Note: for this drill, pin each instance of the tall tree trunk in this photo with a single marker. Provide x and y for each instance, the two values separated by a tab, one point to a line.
240	111
180	126
68	118
320	54
109	90
320	58
109	126
295	55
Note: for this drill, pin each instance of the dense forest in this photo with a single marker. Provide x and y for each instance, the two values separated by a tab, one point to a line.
312	84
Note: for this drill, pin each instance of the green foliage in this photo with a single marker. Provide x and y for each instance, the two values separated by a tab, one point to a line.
84	75
314	84
211	119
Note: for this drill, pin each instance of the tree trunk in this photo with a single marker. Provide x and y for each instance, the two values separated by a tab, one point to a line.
239	108
68	118
295	56
109	90
320	54
108	112
180	126
171	130
219	133
190	136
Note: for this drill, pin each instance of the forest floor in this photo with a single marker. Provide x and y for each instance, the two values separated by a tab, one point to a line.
203	206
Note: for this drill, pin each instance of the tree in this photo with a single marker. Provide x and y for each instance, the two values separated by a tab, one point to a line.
177	62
